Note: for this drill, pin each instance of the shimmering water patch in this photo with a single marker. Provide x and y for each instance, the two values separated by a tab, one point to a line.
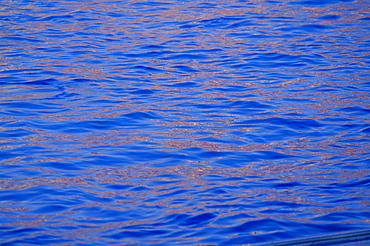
193	122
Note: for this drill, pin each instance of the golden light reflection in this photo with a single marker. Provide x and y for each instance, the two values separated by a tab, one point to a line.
132	100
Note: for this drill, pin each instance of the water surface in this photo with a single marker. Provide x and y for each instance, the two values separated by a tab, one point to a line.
183	122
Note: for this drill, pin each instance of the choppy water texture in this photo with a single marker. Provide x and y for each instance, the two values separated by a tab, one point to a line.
183	122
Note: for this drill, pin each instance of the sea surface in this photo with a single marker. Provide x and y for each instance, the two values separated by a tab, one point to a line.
172	122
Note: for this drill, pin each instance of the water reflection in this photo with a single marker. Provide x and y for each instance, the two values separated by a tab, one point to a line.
182	122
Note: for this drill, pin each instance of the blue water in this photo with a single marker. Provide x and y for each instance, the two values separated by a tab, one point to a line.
172	122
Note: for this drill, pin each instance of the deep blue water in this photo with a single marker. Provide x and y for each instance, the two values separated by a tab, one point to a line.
172	122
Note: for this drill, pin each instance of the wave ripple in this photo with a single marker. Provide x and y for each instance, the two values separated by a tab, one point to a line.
183	122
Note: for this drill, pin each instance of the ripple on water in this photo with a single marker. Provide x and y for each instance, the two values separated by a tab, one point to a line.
153	122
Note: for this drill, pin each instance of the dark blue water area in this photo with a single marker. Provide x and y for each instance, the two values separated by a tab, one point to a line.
172	122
